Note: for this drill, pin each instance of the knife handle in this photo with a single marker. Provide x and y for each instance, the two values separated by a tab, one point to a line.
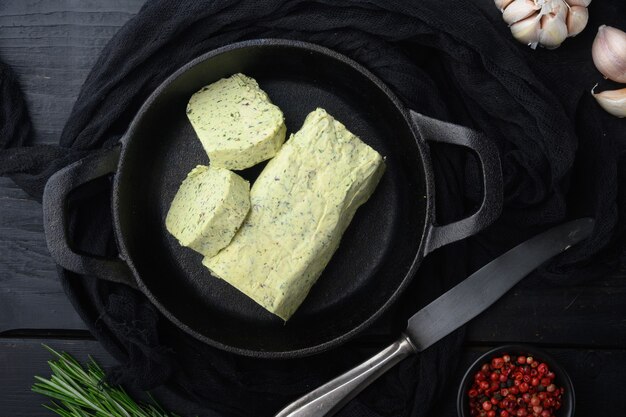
330	397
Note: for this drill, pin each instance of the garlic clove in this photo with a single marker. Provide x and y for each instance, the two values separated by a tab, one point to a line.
501	4
518	10
553	31
609	53
527	31
583	3
613	101
557	7
577	19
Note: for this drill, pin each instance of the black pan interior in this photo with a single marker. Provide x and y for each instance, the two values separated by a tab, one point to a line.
376	252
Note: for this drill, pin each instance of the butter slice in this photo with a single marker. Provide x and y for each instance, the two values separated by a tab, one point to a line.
236	122
208	209
301	204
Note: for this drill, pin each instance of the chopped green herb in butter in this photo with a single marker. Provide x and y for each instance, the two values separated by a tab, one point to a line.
208	209
236	122
301	204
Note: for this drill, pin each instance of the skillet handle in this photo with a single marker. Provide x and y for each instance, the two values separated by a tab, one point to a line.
55	216
438	131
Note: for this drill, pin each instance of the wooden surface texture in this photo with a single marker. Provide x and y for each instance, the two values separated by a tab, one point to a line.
52	44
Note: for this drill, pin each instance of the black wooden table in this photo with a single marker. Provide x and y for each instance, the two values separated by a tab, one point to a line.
52	44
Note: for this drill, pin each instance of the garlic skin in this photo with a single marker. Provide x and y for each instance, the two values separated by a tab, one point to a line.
527	31
577	19
559	8
614	102
553	31
502	4
518	10
583	3
544	22
609	53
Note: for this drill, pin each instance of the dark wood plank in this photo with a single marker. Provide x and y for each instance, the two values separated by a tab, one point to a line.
51	45
597	375
591	314
22	359
30	294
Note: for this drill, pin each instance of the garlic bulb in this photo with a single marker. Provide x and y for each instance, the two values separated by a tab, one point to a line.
583	3
609	53
527	30
553	31
613	102
501	4
518	10
544	22
577	19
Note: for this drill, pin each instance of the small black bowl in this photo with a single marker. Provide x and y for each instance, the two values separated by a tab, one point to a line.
561	378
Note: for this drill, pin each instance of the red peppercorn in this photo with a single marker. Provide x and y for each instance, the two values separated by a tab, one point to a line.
519	386
497	363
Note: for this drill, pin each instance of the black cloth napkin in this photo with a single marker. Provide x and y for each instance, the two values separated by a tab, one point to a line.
562	157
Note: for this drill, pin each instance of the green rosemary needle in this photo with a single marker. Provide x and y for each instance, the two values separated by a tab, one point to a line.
82	392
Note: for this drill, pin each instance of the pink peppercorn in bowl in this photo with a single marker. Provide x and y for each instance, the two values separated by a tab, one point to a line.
515	381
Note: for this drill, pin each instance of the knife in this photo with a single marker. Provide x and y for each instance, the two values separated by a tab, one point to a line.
444	315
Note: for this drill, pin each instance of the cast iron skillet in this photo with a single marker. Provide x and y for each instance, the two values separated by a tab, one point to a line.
379	252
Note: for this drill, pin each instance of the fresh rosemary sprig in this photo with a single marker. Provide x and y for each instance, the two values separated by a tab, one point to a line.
80	392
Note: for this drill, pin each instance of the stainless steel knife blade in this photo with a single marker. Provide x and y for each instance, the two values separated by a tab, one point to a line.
444	315
472	296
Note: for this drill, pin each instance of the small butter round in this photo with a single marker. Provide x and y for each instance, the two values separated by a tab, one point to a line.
236	122
208	209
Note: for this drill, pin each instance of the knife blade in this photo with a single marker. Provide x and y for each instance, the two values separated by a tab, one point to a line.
444	315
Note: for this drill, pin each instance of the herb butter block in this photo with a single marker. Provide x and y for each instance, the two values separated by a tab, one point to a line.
301	204
208	209
236	122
